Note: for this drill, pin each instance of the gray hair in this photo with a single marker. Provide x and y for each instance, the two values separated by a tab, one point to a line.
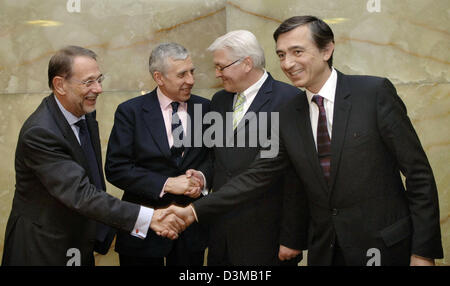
159	55
241	44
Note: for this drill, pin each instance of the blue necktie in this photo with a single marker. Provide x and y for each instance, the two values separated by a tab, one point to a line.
177	133
86	145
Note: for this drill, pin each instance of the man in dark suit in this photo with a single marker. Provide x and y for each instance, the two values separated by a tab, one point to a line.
349	139
145	160
261	231
59	180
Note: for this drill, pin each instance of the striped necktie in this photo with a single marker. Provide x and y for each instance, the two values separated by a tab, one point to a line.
323	139
238	109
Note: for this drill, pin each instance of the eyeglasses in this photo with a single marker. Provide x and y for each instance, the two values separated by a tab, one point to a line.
219	68
90	82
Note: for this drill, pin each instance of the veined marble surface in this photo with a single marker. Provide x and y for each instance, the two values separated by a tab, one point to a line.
407	41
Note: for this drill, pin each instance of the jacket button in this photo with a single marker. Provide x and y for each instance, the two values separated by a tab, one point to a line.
334	212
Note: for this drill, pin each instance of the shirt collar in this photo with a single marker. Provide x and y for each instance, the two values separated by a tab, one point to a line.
328	90
165	101
256	86
71	119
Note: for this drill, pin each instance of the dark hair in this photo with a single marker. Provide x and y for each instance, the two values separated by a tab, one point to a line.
61	63
321	33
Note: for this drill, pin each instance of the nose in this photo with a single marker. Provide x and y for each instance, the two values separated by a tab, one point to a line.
190	78
287	63
218	73
97	87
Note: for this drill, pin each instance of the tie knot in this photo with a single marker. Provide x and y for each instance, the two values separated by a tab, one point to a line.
81	124
175	106
318	100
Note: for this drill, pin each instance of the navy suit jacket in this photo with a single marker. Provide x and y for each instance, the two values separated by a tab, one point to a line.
252	232
139	162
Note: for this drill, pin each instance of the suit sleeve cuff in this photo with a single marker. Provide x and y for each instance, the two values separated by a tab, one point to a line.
143	222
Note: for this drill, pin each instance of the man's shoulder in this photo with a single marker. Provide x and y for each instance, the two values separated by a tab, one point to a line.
199	99
221	94
362	80
285	90
41	116
135	100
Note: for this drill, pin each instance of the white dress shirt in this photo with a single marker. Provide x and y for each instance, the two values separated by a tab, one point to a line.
145	214
251	92
328	92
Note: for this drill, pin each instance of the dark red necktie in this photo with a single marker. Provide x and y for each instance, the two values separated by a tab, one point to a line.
323	139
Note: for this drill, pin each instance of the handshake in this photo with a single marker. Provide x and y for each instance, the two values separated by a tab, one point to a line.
171	221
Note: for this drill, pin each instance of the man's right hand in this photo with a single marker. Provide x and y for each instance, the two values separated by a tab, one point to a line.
167	223
185	214
182	184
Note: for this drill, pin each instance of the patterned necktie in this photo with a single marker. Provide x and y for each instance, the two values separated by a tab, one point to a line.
177	134
323	139
86	145
238	109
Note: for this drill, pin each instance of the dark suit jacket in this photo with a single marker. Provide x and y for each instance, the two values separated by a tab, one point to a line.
139	162
55	206
366	206
252	232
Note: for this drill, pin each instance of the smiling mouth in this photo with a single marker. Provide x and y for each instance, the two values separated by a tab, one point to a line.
294	73
91	97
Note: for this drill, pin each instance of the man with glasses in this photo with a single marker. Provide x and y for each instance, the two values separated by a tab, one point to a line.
59	196
263	231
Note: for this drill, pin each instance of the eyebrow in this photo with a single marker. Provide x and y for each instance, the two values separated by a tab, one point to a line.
92	77
185	71
291	48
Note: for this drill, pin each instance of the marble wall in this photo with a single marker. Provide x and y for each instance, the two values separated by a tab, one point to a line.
407	41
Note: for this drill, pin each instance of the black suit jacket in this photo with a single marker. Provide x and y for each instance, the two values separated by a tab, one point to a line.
252	232
367	205
139	162
55	206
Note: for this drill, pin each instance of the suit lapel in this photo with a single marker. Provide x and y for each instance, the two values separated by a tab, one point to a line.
342	108
263	96
67	132
303	123
154	121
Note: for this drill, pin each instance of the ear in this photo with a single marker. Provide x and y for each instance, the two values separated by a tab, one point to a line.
157	76
248	62
328	51
58	85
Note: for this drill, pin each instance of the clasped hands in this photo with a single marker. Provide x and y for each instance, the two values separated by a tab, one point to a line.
171	221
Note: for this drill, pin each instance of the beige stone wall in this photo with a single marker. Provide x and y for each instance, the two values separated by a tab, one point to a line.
407	41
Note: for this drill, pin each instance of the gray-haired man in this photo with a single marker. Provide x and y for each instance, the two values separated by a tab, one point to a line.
144	160
264	231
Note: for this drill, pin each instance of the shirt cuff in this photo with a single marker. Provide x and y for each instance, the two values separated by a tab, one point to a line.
143	222
205	190
162	191
195	214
